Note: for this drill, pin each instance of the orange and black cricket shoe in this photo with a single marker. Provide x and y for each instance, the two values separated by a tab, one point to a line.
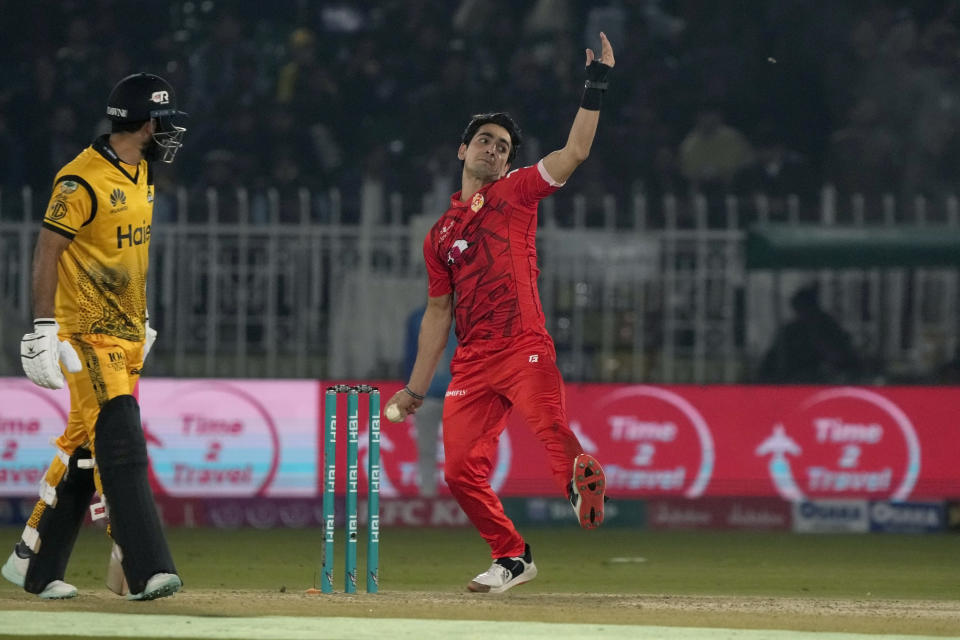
588	491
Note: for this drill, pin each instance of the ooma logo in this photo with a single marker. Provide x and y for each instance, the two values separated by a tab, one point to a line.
843	442
663	444
160	97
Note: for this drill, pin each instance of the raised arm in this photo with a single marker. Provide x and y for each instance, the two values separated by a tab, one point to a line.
561	163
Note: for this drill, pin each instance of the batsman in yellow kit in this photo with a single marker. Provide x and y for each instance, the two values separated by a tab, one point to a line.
89	300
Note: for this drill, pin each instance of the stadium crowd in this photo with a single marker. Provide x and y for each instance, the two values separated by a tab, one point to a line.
713	97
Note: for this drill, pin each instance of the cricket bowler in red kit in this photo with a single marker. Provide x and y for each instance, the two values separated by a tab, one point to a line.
481	260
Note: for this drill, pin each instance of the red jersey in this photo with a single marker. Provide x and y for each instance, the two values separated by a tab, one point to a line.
484	252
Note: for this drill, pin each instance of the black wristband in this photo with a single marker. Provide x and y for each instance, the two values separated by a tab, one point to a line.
595	85
415	395
597	73
592	99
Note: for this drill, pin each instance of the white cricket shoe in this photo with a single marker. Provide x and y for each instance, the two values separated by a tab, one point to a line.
505	573
160	585
15	570
58	590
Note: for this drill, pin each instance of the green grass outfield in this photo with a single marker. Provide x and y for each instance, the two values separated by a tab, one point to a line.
877	583
569	560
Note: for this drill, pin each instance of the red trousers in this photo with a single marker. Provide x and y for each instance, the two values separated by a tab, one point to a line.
482	392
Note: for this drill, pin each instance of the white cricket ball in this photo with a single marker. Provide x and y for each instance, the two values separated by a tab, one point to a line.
393	413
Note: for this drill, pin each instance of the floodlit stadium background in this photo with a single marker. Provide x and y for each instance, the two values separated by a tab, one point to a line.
751	158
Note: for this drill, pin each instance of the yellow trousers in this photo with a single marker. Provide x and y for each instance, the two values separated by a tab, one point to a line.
111	368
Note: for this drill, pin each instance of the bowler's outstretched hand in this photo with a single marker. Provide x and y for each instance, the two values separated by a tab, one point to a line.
606	52
401	405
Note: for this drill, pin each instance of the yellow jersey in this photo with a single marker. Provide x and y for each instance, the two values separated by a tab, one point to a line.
106	210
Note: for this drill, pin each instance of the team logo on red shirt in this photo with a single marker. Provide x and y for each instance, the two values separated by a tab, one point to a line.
477	203
459	246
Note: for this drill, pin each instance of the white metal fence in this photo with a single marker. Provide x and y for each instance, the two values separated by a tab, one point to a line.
653	292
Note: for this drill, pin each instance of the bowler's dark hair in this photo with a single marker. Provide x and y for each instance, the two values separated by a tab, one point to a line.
499	118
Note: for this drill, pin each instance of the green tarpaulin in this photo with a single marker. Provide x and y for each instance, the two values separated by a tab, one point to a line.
814	247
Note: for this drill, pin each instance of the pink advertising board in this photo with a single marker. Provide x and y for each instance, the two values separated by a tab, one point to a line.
231	438
794	443
258	438
225	438
30	417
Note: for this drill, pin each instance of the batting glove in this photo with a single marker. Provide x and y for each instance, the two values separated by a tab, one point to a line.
150	336
41	353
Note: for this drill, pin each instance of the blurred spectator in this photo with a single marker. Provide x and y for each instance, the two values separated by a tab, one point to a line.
869	96
812	348
247	141
306	84
302	47
363	76
448	90
216	190
378	180
849	63
548	17
219	64
776	170
67	138
776	173
713	152
79	71
932	148
224	76
638	127
712	156
862	157
285	180
660	23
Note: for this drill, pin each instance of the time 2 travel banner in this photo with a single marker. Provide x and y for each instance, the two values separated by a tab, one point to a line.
263	438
